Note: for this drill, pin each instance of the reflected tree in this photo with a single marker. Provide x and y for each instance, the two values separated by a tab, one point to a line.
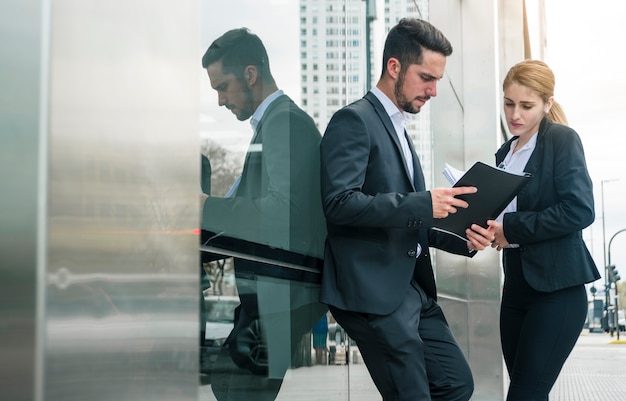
225	166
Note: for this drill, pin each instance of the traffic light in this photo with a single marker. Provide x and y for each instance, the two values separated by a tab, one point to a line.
613	274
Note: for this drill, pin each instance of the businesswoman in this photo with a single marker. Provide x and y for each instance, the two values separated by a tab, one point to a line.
546	262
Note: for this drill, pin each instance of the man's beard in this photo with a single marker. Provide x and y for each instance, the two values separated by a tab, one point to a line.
404	104
248	109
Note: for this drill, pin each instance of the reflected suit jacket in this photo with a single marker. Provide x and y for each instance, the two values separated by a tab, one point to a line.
277	201
552	210
375	214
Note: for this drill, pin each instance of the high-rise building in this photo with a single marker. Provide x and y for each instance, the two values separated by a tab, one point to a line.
334	64
339	58
419	129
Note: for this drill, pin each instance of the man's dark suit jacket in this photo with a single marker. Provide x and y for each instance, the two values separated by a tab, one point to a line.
552	210
277	202
375	214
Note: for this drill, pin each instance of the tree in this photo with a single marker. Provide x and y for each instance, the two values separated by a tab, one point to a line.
225	166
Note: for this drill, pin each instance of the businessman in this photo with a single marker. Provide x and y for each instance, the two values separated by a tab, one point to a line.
377	277
275	205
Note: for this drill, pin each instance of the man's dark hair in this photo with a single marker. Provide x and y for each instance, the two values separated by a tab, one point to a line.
237	49
409	37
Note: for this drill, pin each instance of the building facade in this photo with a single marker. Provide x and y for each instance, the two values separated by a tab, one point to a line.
105	107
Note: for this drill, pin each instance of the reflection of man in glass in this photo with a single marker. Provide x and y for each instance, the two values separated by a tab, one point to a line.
276	202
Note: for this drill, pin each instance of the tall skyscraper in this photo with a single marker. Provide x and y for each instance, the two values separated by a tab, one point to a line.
334	65
340	59
419	129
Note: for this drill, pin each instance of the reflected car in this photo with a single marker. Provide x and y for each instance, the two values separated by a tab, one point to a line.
220	319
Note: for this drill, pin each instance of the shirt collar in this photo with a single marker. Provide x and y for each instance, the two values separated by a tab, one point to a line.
258	113
392	110
532	142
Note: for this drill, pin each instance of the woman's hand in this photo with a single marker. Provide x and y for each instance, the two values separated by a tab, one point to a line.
500	240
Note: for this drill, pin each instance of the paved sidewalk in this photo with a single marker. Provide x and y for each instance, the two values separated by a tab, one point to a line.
595	370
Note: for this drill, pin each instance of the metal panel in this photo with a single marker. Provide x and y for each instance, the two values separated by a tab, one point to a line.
465	120
122	278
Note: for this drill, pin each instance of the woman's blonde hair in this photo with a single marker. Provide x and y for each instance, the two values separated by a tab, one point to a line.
537	76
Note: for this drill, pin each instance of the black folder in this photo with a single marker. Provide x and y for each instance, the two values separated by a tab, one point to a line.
496	189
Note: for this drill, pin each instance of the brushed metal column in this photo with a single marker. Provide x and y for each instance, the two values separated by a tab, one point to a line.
99	251
466	128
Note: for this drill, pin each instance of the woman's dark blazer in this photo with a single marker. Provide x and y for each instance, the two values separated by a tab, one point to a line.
552	210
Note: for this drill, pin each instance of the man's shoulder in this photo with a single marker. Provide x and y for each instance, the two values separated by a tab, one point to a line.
364	107
284	104
284	109
368	102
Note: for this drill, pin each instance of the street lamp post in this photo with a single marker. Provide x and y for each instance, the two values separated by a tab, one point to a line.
615	318
607	284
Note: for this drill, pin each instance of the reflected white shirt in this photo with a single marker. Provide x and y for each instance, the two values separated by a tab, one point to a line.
254	122
258	113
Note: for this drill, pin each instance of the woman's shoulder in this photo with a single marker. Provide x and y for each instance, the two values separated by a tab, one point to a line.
561	137
556	129
558	132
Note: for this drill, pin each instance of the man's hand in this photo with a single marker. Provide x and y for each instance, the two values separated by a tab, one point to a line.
444	201
479	237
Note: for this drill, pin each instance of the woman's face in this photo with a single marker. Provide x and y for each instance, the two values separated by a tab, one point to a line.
524	109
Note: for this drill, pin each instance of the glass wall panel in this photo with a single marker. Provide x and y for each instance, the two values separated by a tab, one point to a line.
266	335
262	224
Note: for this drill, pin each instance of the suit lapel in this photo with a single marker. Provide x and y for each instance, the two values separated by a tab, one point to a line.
536	157
253	159
248	163
391	131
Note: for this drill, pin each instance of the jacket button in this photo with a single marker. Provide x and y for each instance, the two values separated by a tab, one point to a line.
411	253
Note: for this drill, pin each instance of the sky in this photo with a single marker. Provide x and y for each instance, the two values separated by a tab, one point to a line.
583	47
277	24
